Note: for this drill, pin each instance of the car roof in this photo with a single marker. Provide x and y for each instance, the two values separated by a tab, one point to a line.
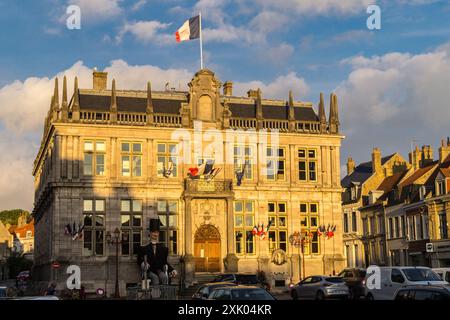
242	287
218	284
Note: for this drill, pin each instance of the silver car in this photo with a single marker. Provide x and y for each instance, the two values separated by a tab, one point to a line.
320	288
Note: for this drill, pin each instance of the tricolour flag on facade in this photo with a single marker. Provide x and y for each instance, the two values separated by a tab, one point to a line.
189	30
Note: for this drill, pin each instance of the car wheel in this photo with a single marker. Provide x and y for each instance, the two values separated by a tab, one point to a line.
369	296
320	295
294	295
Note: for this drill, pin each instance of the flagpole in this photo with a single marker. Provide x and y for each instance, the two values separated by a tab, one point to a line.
201	42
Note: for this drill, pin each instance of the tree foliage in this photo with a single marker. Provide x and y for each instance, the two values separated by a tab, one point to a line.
11	216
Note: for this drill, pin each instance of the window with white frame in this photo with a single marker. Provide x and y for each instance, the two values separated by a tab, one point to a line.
243	156
94	227
440	187
131	159
166	158
307	164
131	225
94	158
276	163
278	230
244	221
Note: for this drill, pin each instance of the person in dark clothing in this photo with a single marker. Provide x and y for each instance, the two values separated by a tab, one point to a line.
51	290
152	258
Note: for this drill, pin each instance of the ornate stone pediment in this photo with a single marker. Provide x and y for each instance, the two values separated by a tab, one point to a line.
204	90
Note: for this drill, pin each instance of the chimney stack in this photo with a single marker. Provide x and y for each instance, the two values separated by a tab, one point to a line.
350	166
444	150
99	80
415	157
427	156
252	93
376	160
228	88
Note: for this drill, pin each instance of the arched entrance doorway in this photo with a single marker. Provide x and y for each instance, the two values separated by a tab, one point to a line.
207	249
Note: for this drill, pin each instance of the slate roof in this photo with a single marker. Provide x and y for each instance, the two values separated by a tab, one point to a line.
362	172
128	104
171	106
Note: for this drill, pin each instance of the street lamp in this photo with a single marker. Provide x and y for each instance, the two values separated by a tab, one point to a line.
115	240
299	240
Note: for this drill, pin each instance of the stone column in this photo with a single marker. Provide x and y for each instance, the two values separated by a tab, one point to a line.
231	260
188	256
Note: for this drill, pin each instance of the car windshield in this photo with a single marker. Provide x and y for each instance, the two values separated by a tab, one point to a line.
421	274
334	280
250	294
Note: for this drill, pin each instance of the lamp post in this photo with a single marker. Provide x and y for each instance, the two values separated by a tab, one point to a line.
299	240
115	240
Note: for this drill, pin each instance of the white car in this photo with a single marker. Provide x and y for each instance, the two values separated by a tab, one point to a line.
393	278
444	273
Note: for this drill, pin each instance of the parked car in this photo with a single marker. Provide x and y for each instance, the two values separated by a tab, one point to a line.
393	278
37	298
423	293
354	279
320	288
240	293
444	273
3	292
204	291
239	278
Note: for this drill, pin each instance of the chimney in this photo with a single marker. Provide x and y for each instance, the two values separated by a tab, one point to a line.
444	150
376	160
350	166
99	80
228	88
252	93
427	156
415	157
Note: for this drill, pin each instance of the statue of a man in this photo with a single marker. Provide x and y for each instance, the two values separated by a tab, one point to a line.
152	258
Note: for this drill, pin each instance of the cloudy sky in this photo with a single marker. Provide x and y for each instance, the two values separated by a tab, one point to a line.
393	84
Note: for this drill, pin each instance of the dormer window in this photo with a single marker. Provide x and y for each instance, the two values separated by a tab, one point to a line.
440	187
422	192
353	192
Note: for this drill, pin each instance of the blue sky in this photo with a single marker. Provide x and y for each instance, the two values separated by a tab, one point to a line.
392	83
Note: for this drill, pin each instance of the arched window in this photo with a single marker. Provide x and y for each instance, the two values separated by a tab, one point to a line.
205	108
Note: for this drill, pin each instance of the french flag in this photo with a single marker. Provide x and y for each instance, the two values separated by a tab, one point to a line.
189	30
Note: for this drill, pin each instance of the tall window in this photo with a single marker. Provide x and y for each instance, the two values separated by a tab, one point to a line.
440	187
354	222
278	230
131	222
131	155
94	158
276	163
391	228
309	222
345	223
243	156
244	221
94	227
166	158
403	226
397	227
307	164
168	216
443	226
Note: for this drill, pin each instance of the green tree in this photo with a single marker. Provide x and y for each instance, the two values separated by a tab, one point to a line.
11	216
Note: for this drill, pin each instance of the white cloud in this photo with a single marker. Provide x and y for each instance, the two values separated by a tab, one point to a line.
268	21
98	9
279	55
322	7
146	31
138	5
279	88
392	99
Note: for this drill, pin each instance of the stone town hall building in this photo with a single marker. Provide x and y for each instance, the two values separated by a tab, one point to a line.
104	163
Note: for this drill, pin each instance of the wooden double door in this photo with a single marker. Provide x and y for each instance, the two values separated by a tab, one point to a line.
207	249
